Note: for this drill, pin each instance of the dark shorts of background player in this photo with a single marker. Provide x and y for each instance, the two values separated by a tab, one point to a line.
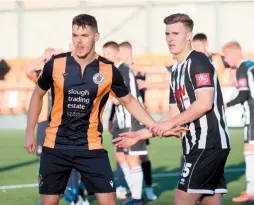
115	130
93	165
203	172
137	149
249	133
41	132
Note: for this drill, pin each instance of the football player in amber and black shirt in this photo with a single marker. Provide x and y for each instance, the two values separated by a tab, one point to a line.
80	83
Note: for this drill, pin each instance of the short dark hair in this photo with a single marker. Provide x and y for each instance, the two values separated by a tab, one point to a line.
111	44
200	37
125	44
84	20
182	18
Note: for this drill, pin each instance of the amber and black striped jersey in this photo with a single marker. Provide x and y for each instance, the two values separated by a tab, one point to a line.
78	100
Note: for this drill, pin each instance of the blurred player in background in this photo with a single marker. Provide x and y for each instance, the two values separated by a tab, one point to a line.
126	56
111	52
129	160
244	82
200	44
74	191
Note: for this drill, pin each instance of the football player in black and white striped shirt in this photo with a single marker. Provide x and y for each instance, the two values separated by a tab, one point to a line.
196	93
244	82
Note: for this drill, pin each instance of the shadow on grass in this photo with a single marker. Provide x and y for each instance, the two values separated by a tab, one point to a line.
18	165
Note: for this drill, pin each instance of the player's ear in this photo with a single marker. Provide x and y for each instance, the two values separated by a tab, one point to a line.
189	36
97	36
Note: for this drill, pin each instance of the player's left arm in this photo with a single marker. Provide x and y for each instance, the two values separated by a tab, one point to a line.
121	92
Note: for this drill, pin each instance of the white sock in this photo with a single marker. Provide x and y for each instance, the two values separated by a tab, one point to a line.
126	171
249	161
137	182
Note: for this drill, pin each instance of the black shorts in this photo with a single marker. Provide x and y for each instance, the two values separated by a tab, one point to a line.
137	149
41	132
93	165
115	130
249	134
203	172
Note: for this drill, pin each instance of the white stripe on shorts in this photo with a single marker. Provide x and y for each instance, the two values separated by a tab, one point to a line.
200	191
220	191
144	152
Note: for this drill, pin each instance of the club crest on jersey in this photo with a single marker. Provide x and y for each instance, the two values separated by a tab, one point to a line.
98	78
40	180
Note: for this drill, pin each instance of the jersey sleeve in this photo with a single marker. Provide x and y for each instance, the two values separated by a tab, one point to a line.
202	73
124	70
45	80
171	97
242	79
118	88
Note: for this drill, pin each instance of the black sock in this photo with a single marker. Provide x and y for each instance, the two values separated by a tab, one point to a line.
147	171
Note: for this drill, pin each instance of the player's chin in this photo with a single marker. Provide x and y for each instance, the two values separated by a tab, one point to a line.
82	55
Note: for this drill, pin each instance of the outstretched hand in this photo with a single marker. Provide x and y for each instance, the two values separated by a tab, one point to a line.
126	139
129	139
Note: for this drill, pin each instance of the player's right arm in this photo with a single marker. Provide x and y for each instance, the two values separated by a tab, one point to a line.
45	82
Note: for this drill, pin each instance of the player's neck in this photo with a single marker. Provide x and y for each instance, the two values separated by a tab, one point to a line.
181	57
240	61
87	60
117	62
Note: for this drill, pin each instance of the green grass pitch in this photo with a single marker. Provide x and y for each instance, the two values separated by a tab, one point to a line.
17	168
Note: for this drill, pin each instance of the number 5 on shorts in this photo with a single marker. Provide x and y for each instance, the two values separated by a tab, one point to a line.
186	169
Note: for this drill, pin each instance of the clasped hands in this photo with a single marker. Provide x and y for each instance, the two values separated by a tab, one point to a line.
162	128
166	129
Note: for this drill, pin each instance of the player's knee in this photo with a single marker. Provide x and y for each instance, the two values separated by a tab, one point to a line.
216	199
184	198
106	198
49	199
179	197
133	160
120	157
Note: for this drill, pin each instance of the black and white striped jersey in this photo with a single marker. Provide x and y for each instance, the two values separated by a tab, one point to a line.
124	118
244	81
194	74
